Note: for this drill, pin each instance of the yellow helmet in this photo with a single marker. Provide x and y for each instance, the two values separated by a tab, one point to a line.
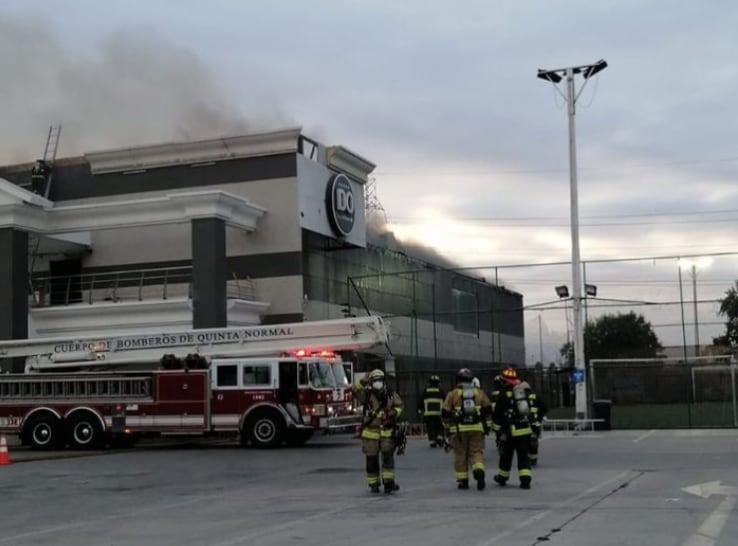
376	375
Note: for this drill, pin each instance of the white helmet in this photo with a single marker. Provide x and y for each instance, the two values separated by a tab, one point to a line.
476	384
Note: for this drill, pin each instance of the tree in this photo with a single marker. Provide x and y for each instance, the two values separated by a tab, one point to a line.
617	336
729	308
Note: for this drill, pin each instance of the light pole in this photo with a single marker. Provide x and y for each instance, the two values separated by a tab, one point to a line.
555	76
692	267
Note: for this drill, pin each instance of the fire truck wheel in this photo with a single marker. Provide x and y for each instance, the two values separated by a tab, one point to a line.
265	429
44	432
84	431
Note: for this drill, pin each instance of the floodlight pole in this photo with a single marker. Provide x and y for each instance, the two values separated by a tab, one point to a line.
580	388
554	76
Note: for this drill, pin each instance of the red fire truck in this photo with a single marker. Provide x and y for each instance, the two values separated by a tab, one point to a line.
270	384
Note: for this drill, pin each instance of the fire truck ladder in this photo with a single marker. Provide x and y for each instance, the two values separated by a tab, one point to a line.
41	183
348	334
118	387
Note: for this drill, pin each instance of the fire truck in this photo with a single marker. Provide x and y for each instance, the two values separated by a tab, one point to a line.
270	384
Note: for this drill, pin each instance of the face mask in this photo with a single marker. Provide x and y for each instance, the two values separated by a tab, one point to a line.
378	385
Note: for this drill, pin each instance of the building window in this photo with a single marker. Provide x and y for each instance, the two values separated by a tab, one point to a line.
465	311
256	375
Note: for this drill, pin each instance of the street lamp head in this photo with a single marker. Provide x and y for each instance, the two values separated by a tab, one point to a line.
562	291
549	75
593	69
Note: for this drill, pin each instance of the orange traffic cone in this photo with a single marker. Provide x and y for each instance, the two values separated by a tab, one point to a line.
4	454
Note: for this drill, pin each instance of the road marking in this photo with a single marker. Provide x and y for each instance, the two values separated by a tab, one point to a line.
707	489
708	533
643	436
545	513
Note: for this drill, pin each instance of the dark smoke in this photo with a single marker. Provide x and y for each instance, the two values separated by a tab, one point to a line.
132	89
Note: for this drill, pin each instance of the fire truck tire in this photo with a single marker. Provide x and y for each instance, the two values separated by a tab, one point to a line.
84	431
44	432
297	438
265	429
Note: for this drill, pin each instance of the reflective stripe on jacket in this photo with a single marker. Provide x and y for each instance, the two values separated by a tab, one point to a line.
453	410
432	401
506	418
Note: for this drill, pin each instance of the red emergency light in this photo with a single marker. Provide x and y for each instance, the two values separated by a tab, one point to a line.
303	353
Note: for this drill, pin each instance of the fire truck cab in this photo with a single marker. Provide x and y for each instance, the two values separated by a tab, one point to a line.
258	382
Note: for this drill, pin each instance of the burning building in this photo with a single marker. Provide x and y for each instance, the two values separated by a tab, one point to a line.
267	227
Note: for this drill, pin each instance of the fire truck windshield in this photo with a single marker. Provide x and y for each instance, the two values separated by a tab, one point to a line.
340	372
321	375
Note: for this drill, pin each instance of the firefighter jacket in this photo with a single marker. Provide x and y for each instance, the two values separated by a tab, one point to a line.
466	409
537	409
381	410
432	401
507	418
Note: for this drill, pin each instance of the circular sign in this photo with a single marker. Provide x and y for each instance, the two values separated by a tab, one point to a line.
341	204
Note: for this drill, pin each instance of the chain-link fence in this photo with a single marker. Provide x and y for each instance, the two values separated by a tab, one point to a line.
696	392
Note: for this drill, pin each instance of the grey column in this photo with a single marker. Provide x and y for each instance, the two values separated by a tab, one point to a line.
13	291
208	273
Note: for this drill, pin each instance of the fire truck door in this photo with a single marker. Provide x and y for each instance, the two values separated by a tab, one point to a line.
287	393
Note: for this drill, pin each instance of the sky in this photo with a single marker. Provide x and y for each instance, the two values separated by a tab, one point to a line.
472	150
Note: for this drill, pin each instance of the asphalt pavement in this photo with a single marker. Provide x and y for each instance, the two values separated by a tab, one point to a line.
655	488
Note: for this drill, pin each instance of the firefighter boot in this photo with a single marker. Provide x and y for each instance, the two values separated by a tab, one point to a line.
463	484
374	488
479	476
525	482
500	480
390	486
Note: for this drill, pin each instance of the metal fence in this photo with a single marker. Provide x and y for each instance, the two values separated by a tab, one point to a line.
126	285
698	392
638	394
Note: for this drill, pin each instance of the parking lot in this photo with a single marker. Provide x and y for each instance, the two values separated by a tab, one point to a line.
594	488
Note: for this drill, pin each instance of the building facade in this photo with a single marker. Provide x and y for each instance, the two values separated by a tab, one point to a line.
259	228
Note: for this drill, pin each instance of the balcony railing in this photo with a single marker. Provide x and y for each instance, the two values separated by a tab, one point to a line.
130	285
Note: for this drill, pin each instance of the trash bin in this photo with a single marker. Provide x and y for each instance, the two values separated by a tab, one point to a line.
601	410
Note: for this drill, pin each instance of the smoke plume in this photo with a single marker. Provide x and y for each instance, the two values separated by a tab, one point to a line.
132	89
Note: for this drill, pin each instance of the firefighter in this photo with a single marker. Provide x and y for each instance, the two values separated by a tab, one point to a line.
538	411
488	420
465	412
511	423
432	398
382	408
39	176
497	386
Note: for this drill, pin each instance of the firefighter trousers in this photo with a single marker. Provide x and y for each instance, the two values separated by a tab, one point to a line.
468	451
533	445
515	445
373	449
434	427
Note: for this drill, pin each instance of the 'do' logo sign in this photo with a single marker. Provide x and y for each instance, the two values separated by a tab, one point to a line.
340	204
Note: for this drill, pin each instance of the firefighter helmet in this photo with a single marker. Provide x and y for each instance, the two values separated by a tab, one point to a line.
476	383
434	380
510	376
376	375
498	382
464	375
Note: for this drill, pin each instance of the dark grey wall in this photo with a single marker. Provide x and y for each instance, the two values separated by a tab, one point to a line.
73	178
14	289
208	273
